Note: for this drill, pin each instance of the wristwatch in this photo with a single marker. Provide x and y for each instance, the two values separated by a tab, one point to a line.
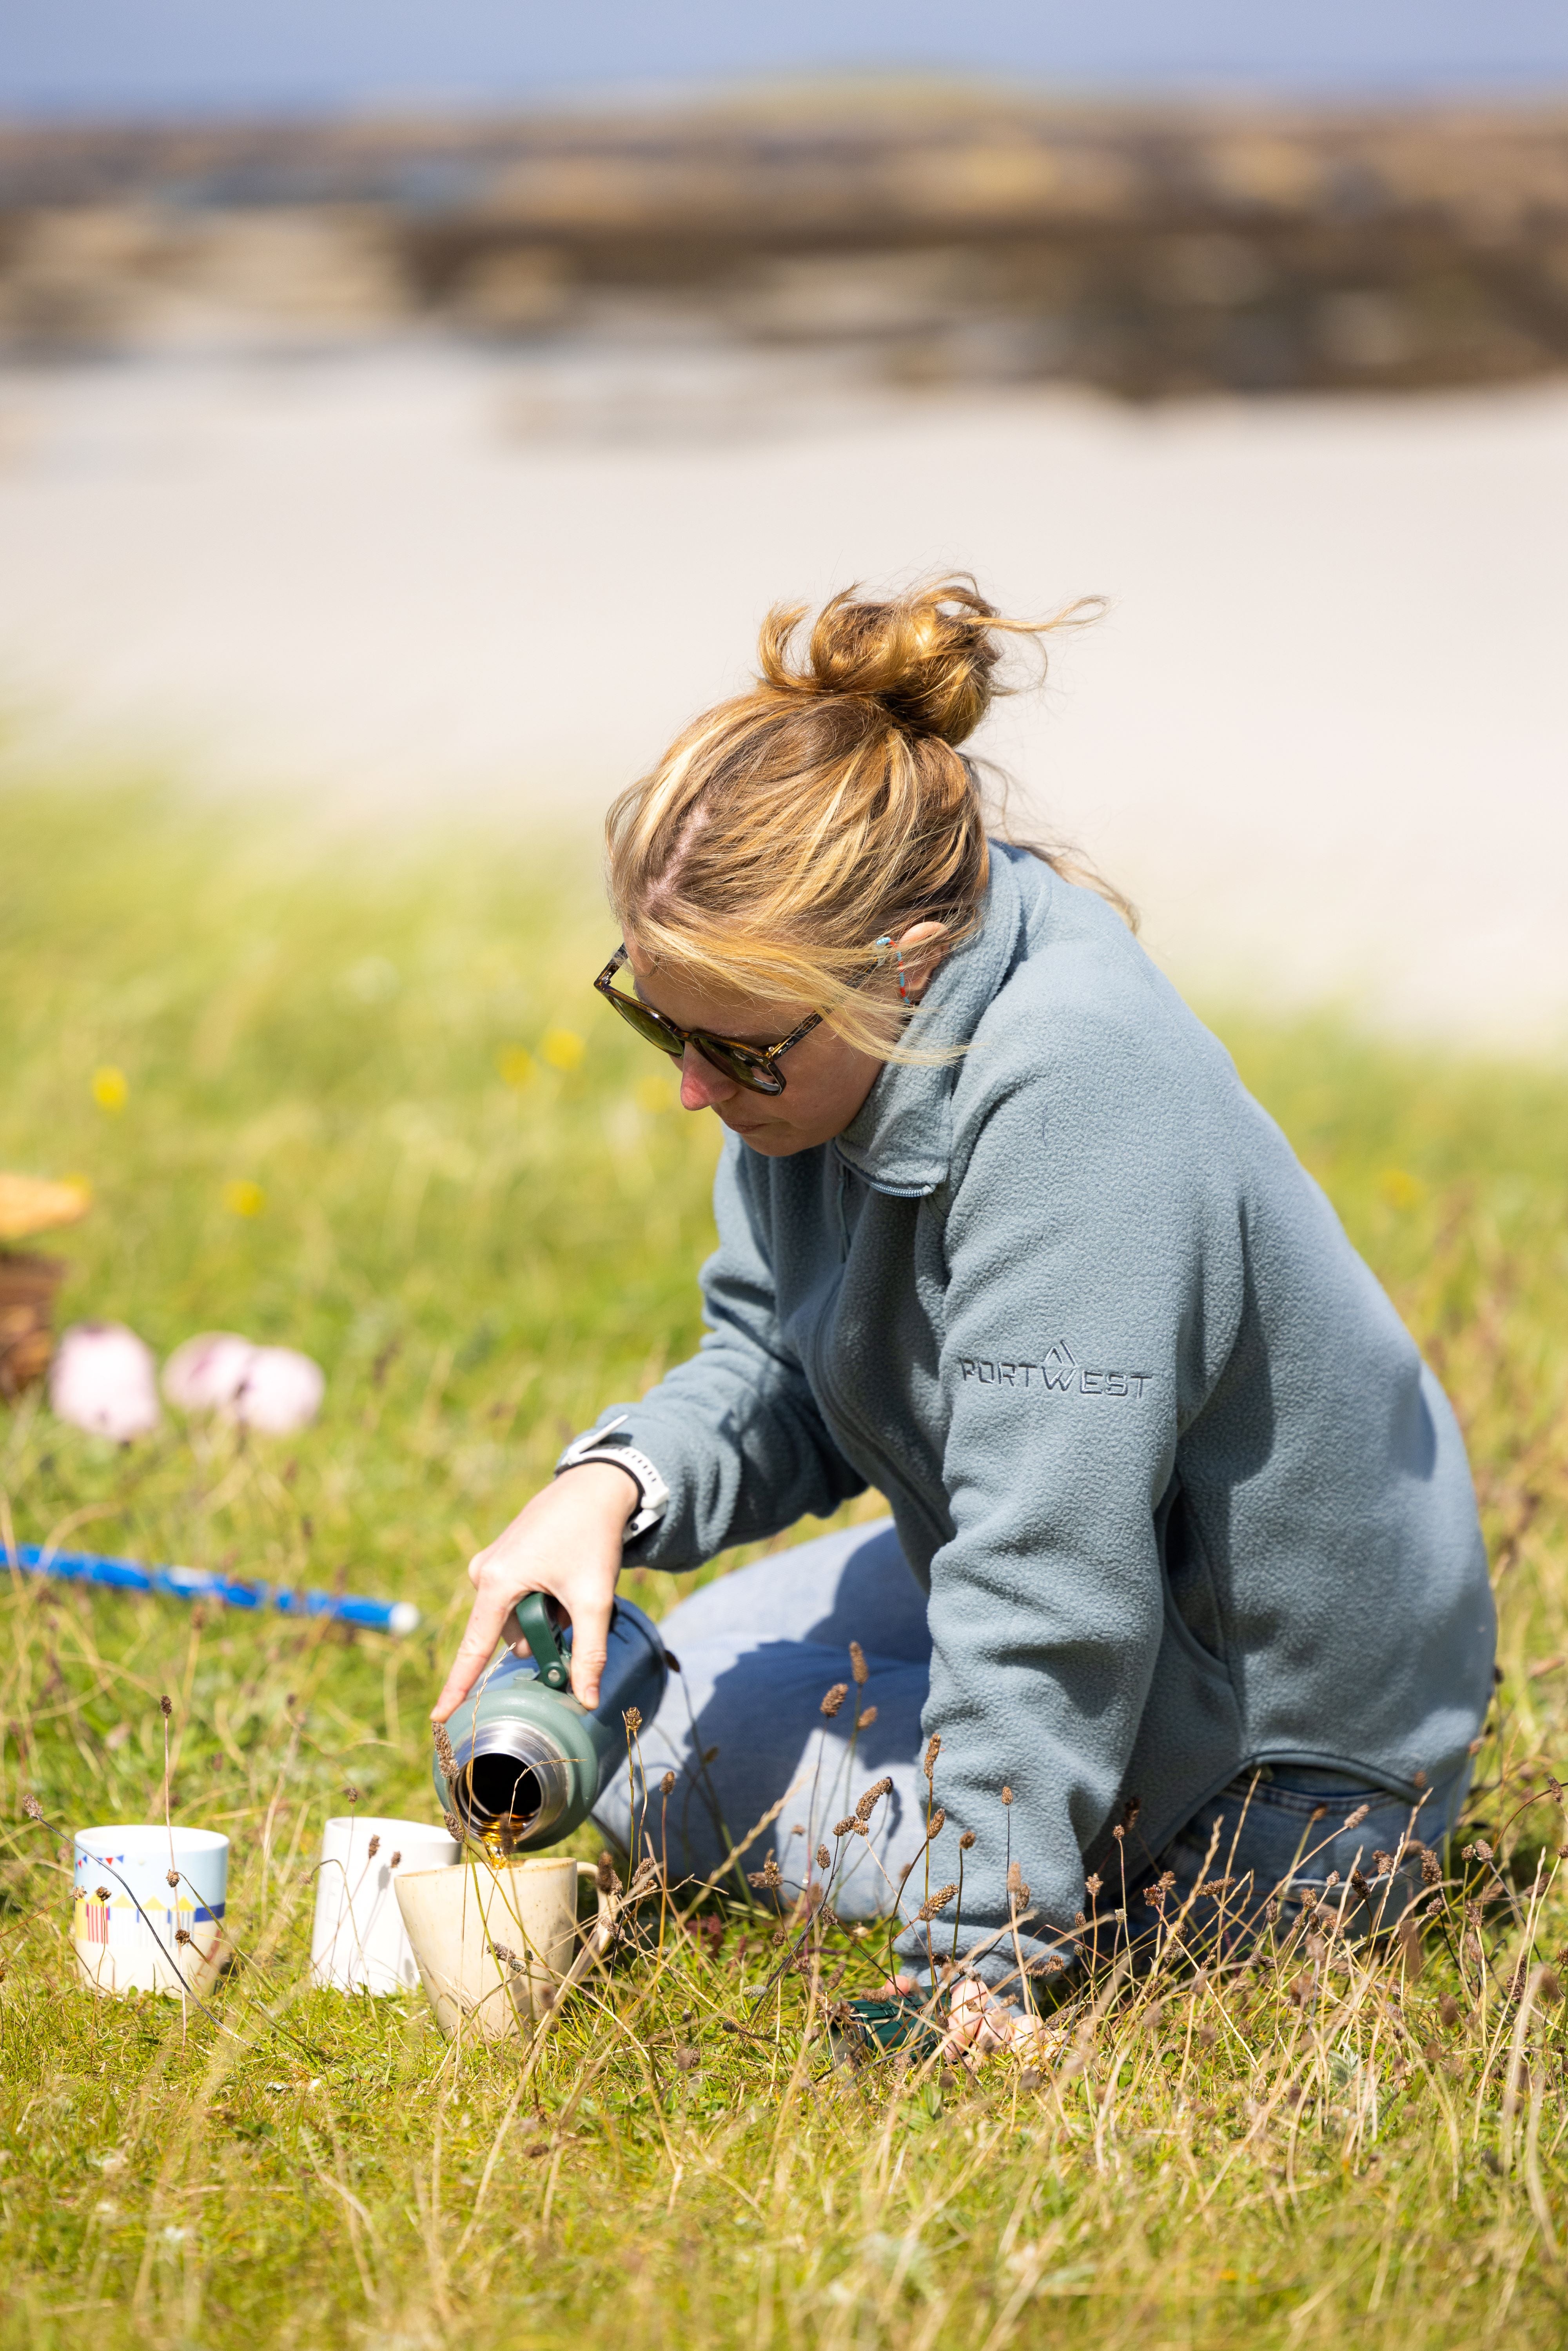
601	1444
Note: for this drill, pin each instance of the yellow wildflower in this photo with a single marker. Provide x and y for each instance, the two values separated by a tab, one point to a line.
1400	1188
563	1049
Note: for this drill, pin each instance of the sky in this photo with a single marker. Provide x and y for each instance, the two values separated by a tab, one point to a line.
136	57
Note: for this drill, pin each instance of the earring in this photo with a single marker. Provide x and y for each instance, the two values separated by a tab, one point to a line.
883	946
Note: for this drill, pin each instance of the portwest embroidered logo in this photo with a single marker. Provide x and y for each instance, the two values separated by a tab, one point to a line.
1060	1373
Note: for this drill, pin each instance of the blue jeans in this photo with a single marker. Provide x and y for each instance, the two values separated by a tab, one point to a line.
1284	1834
758	1650
741	1728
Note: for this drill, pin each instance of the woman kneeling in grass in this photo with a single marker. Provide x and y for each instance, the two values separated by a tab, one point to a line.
1183	1571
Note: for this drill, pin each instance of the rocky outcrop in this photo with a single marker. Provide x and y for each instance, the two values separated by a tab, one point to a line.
929	236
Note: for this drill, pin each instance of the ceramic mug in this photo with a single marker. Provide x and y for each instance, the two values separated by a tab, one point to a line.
493	1940
358	1942
127	1919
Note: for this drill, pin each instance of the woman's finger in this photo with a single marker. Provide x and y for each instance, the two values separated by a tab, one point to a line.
977	2023
590	1644
486	1618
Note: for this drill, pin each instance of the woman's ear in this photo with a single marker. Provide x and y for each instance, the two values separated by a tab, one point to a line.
918	952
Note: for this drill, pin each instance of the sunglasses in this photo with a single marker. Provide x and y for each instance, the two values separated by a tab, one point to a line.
755	1067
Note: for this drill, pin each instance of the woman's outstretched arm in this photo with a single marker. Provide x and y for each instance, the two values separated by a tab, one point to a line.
735	1432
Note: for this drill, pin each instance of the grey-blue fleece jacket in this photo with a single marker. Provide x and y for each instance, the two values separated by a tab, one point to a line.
1181	1491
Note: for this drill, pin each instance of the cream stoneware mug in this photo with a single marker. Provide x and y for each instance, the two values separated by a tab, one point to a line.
493	1941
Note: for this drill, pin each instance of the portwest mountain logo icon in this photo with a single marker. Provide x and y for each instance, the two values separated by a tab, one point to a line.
1057	1373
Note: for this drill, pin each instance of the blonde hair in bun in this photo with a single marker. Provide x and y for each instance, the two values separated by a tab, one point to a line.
789	829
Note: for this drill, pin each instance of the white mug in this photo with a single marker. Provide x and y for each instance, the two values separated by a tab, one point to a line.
358	1942
128	1920
494	1940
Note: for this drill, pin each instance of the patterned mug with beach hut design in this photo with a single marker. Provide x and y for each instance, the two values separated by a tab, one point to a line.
149	1910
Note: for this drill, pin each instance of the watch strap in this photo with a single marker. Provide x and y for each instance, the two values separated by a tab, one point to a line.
603	1445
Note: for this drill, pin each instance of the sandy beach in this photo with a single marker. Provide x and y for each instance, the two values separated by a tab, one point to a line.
1318	735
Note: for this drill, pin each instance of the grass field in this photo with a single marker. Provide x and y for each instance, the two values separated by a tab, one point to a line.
367	1104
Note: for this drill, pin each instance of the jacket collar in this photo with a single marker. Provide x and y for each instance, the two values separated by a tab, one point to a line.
901	1138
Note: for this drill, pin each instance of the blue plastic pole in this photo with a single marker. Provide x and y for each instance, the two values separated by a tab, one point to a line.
195	1583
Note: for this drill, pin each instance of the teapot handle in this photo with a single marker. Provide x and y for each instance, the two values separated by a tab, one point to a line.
533	1622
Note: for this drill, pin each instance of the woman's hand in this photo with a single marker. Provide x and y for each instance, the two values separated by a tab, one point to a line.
976	2020
567	1543
977	2023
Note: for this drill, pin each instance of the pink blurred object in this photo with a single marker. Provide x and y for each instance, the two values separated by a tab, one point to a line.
282	1392
102	1379
274	1389
208	1371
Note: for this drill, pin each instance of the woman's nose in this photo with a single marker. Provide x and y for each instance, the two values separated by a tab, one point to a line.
702	1086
